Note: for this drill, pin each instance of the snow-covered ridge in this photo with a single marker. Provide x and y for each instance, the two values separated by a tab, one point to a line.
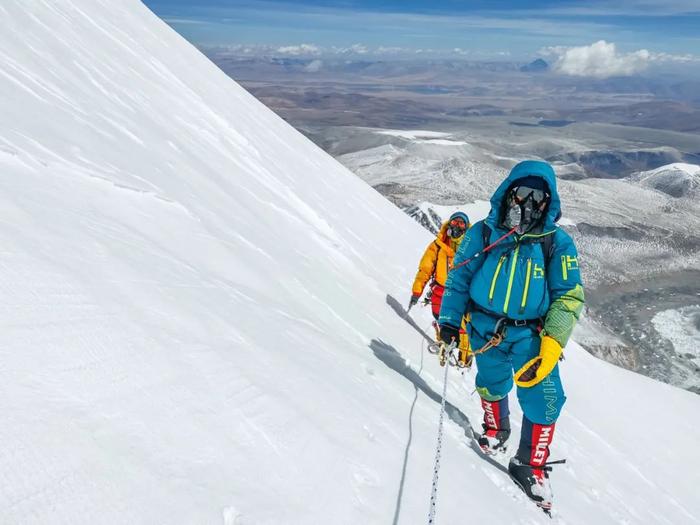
677	180
443	142
414	134
689	169
199	325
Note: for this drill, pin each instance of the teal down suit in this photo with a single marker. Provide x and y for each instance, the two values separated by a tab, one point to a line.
513	281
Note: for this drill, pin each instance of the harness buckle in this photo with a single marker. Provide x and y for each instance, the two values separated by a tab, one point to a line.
500	327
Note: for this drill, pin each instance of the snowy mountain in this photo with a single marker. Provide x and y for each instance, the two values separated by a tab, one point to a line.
677	180
200	326
414	166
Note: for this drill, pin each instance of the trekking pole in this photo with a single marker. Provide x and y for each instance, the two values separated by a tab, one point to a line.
438	451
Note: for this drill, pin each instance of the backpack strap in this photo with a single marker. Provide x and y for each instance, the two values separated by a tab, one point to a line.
486	232
548	248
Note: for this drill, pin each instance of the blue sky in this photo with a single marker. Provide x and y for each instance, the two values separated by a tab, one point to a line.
478	28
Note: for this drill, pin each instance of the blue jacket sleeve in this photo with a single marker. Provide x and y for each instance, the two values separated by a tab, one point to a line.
456	296
565	289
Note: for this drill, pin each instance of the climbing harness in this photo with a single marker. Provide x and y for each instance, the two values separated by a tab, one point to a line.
446	351
499	332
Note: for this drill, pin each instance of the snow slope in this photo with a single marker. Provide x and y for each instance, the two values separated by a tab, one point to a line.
198	324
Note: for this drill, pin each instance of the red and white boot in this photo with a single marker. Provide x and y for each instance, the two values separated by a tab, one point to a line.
496	426
529	468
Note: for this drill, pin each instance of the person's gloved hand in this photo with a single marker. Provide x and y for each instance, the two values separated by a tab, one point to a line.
449	333
535	370
413	301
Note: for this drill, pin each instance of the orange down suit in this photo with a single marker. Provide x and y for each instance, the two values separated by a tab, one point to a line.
436	260
435	264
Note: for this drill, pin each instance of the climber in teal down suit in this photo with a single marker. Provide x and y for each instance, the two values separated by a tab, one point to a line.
528	289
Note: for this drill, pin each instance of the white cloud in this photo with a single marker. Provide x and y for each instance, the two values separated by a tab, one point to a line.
391	50
602	60
355	49
359	49
301	49
308	50
620	8
183	21
553	51
241	49
683	59
314	66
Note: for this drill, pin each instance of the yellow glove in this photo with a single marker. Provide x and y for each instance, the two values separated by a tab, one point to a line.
535	370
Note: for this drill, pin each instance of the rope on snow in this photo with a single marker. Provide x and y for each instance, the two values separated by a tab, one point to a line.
438	450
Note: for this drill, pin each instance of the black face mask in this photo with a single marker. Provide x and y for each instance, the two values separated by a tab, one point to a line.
524	208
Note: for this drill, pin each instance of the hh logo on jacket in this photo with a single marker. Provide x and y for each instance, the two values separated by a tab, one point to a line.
568	263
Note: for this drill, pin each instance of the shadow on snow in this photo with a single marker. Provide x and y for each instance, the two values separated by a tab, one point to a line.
388	355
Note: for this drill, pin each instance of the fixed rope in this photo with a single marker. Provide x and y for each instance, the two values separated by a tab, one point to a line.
438	450
445	356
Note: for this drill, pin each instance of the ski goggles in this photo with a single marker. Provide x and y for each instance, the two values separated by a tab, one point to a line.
522	194
458	223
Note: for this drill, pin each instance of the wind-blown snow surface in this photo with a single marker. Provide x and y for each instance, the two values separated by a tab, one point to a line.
195	322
